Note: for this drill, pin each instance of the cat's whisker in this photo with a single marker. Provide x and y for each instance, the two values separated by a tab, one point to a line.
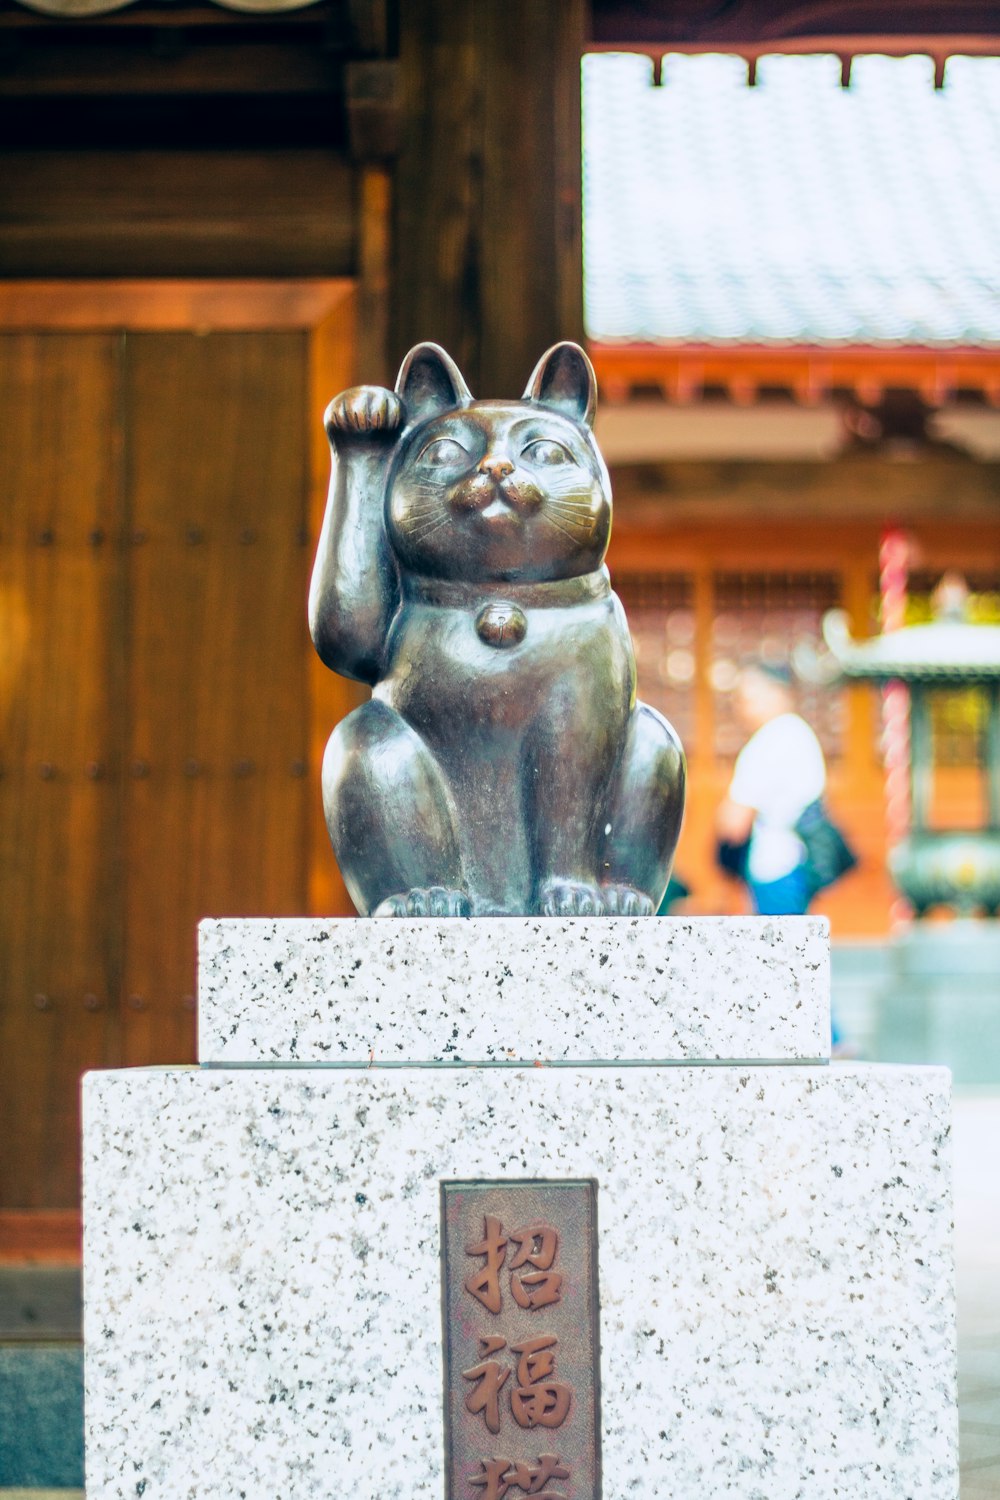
421	533
428	508
580	527
553	522
567	506
570	507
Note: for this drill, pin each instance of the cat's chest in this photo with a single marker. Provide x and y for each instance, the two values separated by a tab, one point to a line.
496	661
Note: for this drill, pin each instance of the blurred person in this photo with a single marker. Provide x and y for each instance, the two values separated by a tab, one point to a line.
779	773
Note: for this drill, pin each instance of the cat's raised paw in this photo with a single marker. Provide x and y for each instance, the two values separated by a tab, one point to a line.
364	410
429	901
626	901
569	898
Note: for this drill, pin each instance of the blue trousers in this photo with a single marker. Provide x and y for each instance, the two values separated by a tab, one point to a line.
786	897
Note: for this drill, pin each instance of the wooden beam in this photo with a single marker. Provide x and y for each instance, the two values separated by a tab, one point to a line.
162	306
127	213
682	370
40	1236
487	255
705	25
127	65
842	44
857	493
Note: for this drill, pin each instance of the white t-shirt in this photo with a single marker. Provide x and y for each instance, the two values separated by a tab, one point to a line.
778	773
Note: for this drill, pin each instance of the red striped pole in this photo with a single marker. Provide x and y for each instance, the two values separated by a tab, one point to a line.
893	569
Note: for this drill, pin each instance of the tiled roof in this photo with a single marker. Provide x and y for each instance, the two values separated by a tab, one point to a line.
795	211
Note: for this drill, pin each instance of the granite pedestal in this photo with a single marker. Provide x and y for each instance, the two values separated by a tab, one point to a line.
263	1237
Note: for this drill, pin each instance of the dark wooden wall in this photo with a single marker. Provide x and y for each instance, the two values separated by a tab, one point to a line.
176	141
154	552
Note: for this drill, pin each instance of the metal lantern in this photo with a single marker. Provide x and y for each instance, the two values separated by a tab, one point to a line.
934	866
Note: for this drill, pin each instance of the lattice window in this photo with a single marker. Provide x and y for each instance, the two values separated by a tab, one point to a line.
765	616
660	609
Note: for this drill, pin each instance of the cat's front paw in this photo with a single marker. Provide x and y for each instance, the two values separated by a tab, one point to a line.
626	901
364	411
426	901
569	898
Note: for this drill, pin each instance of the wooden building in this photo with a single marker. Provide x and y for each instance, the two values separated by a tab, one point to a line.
213	217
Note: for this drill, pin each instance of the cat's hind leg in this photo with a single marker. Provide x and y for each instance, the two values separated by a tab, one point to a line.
391	820
643	819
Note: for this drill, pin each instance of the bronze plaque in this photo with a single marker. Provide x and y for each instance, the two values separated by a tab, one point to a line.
521	1341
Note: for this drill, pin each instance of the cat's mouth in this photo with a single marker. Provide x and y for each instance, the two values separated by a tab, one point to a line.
501	512
505	504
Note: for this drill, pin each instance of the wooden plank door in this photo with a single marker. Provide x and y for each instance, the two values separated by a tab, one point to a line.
161	713
61	722
216	790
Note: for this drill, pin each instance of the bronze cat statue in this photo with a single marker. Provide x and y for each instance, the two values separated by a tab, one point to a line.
503	765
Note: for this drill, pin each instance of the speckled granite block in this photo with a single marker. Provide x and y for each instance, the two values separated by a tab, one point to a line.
512	989
263	1301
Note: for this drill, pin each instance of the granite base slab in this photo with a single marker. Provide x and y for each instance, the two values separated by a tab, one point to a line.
262	1275
513	989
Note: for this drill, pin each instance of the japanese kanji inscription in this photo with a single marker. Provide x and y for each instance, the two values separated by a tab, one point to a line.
519	1269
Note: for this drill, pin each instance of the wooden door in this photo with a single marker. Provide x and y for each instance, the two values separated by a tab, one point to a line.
61	694
161	721
217	721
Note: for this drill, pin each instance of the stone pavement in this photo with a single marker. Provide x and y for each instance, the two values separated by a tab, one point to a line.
977	1225
977	1245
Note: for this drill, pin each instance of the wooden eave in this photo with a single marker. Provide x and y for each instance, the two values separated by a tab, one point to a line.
773	25
681	372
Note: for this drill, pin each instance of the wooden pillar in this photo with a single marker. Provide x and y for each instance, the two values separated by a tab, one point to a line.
487	244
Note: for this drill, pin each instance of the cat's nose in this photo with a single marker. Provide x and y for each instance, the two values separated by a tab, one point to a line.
497	466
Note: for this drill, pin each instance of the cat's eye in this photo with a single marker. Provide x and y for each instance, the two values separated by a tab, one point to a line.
444	453
547	451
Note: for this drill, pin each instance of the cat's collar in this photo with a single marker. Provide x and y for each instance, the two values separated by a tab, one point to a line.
557	594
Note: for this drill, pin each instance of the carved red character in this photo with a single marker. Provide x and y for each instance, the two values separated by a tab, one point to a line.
484	1285
493	1479
538	1400
537	1246
490	1377
500	1474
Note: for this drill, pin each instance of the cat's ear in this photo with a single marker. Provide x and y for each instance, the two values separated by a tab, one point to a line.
430	382
564	379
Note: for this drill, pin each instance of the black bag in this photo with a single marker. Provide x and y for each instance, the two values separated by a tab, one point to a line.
732	858
828	854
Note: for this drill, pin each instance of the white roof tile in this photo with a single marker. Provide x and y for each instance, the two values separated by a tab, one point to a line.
795	211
